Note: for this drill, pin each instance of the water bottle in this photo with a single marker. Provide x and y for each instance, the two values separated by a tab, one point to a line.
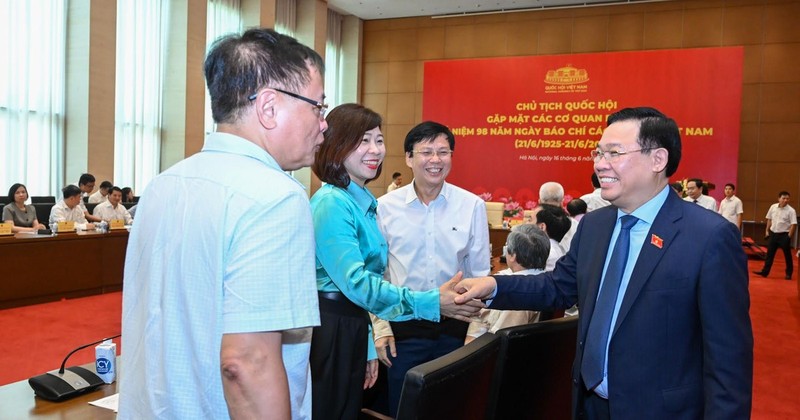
53	229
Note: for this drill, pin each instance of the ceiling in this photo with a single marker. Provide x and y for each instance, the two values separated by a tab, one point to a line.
387	9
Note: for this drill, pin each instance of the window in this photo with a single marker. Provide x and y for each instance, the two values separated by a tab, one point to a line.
141	39
32	94
223	17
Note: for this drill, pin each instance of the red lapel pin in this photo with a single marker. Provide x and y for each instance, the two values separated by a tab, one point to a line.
657	241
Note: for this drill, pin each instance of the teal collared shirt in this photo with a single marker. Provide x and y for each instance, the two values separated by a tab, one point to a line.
352	255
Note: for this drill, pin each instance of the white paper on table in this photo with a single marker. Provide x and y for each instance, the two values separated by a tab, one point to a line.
110	402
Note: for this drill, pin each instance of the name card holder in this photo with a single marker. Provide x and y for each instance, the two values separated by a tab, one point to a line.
64	227
5	229
116	224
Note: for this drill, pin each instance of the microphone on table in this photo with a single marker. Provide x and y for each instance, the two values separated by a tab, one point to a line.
63	384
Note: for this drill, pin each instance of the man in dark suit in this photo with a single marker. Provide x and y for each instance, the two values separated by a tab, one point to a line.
661	284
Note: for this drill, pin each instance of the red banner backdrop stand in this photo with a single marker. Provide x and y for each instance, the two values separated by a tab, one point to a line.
523	121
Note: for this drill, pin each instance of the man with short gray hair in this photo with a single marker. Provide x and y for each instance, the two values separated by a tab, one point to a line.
527	249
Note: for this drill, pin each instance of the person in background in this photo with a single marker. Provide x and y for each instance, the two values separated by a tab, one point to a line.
86	186
781	225
69	209
527	248
594	199
555	223
218	315
21	216
662	284
694	194
552	193
112	209
731	206
678	188
397	179
127	195
434	230
351	260
101	195
577	208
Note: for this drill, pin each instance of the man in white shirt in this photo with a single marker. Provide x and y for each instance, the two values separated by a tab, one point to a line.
397	179
220	292
68	209
101	195
86	185
781	224
434	230
731	206
694	193
594	200
112	209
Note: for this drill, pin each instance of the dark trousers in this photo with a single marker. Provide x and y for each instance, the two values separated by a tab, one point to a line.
779	240
413	352
338	360
594	407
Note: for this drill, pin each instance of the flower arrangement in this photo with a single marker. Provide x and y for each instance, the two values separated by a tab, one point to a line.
512	209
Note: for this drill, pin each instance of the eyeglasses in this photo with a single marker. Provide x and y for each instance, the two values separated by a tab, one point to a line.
429	153
612	155
321	108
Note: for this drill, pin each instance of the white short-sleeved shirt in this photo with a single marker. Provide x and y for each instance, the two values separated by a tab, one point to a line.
223	244
782	218
731	208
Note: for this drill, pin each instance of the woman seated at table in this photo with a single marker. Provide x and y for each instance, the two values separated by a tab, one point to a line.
21	216
351	260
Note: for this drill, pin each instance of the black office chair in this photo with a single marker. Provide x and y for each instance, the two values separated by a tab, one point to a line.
90	207
43	212
533	377
43	199
454	386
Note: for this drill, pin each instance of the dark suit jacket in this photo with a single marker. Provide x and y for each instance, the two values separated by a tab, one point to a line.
682	345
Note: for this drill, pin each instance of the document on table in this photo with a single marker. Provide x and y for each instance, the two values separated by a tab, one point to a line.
110	402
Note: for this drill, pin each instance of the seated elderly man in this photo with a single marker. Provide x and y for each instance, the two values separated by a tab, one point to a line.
69	210
527	248
112	209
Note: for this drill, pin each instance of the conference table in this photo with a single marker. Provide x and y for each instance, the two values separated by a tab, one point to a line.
18	402
45	268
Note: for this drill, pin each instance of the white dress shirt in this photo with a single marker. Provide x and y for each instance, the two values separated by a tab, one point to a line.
731	208
704	201
429	244
62	213
107	212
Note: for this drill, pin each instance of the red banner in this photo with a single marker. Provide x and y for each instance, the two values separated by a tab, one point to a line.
523	121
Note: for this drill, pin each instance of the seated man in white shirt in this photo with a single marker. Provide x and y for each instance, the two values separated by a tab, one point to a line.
527	248
112	209
69	210
101	195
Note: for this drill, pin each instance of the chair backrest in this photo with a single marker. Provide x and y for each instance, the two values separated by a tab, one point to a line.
43	212
90	207
43	199
454	386
533	376
494	214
